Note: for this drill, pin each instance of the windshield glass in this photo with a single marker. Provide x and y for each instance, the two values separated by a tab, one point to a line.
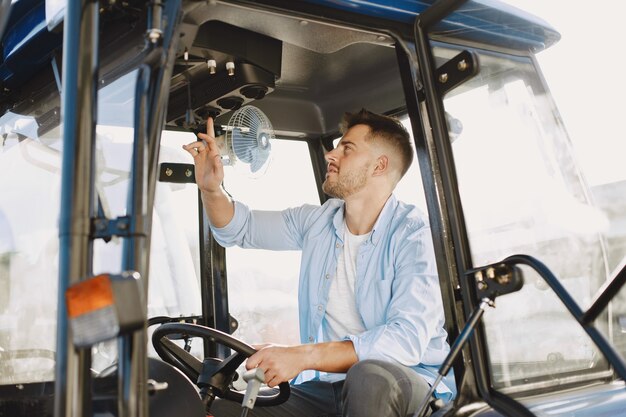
30	171
523	193
31	145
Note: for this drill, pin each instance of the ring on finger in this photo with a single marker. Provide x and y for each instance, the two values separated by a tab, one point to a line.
197	150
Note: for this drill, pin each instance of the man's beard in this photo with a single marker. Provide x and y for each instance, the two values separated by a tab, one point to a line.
345	185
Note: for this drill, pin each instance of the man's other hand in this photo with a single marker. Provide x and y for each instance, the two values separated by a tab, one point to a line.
283	363
280	363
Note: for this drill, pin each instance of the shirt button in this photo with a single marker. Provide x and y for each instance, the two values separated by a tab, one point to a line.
327	276
310	338
337	245
320	307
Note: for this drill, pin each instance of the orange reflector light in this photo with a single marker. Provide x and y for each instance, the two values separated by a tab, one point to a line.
105	306
88	296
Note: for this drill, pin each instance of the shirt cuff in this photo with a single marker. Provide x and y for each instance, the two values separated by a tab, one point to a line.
230	231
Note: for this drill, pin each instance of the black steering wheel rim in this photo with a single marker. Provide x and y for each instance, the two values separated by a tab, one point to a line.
191	366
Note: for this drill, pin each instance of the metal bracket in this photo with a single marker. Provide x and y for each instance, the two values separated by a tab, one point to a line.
103	228
497	279
456	71
177	173
233	324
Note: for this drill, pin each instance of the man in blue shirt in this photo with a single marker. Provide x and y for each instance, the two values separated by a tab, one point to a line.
371	315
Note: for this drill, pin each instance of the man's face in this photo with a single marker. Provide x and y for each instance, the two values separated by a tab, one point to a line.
349	164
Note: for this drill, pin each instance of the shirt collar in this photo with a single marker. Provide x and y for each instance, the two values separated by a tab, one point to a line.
338	220
382	222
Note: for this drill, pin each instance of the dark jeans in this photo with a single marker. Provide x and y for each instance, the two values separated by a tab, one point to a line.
371	388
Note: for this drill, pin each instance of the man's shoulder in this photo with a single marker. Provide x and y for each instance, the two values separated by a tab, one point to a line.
409	217
311	213
330	206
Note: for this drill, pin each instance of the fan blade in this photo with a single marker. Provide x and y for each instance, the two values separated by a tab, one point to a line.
243	143
251	134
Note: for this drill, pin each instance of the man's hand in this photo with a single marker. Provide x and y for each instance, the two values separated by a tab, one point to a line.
283	363
280	363
208	161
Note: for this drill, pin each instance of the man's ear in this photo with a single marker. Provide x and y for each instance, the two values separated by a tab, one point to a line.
382	164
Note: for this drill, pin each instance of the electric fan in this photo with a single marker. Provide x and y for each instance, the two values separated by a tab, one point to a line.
247	138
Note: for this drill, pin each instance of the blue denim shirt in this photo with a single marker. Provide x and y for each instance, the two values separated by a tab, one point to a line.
397	287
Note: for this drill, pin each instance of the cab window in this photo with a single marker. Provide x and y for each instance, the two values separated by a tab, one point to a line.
522	193
262	284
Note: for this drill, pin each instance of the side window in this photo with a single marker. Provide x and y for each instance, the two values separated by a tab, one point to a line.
174	250
522	192
263	285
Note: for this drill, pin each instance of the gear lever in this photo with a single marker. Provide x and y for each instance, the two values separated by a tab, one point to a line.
254	377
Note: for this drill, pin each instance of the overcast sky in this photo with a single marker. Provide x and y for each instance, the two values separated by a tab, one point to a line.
586	74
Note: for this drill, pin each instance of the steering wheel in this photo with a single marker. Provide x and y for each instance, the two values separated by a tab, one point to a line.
212	375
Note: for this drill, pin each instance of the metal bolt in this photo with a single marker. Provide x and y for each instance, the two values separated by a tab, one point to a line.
154	35
101	224
504	278
188	173
478	275
381	38
303	23
462	65
122	225
212	65
443	78
230	67
491	272
482	285
169	172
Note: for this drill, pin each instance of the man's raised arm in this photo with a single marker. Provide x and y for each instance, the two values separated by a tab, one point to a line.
209	177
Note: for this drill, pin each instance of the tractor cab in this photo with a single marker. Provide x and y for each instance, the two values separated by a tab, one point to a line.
116	300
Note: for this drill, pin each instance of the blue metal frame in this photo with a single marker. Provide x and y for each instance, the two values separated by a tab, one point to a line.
27	45
152	93
79	108
486	21
605	295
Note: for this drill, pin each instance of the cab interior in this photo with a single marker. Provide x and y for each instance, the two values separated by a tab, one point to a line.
303	72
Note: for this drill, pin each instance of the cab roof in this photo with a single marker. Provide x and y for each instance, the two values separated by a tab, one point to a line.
28	43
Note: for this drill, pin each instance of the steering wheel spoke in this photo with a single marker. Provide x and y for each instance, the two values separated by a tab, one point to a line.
185	361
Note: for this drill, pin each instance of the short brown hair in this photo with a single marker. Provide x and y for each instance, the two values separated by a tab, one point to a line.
388	128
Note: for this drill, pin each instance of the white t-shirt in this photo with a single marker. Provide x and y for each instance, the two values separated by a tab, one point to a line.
342	316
